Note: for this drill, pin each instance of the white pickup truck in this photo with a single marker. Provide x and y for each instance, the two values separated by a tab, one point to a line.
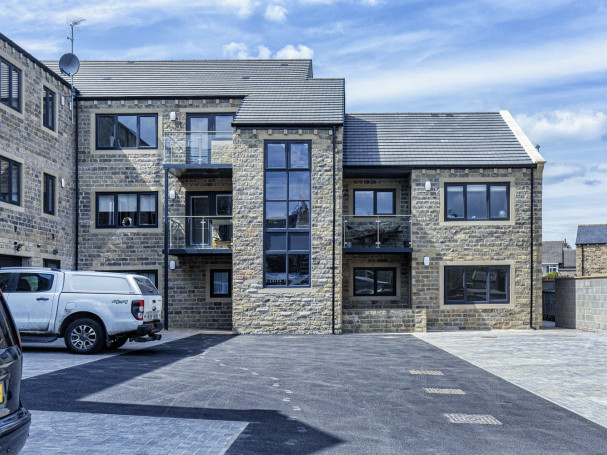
90	310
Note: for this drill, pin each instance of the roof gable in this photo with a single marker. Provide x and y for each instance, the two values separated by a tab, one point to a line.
591	233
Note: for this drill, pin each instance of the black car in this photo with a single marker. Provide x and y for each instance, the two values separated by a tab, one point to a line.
14	418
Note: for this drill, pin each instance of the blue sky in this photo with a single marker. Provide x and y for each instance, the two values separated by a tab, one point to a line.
543	60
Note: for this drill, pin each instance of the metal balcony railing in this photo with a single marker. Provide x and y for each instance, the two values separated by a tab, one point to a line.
198	147
377	231
200	232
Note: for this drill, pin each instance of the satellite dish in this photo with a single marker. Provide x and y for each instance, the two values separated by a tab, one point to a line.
69	64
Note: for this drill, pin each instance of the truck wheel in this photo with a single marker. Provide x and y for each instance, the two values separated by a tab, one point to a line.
84	336
116	343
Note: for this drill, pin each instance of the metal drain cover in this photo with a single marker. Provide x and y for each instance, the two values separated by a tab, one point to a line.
478	419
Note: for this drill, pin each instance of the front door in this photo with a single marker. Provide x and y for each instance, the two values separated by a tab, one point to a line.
31	298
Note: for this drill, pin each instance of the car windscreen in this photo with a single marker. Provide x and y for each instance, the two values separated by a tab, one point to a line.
146	286
8	335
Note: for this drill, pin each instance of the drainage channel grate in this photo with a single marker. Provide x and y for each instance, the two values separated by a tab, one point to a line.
429	372
444	391
477	419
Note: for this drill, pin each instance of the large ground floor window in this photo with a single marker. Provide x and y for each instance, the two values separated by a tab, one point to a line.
477	284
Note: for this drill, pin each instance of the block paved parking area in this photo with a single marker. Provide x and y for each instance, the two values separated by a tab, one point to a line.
197	393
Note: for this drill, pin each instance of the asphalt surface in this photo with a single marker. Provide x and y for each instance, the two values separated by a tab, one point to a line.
351	394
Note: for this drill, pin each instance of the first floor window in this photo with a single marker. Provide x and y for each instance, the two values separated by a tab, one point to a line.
48	194
10	85
477	201
116	132
287	214
52	263
127	210
378	281
221	283
374	202
10	181
48	109
477	284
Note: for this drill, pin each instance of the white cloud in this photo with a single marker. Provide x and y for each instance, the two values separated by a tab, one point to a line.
557	172
564	125
242	51
292	52
275	13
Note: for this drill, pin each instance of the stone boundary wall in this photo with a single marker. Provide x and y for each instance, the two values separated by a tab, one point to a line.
383	321
581	303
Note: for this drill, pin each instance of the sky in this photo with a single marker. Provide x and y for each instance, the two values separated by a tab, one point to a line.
543	60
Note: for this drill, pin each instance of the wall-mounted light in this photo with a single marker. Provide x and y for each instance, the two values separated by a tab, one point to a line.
173	116
428	185
171	194
18	246
55	251
426	260
62	183
172	265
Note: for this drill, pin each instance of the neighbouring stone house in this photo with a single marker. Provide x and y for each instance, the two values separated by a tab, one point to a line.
256	204
591	247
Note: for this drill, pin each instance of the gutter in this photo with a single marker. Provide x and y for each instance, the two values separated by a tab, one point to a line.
165	300
76	176
532	261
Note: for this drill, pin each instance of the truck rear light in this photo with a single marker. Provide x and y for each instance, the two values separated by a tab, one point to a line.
137	309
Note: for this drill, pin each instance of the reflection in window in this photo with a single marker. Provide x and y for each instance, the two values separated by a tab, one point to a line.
221	283
127	210
34	282
374	202
287	214
477	201
10	181
476	284
117	132
375	281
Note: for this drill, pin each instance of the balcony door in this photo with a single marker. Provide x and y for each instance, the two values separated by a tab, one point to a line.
204	131
216	208
200	206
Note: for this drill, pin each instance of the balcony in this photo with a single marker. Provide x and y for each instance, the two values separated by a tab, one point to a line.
200	235
198	152
377	233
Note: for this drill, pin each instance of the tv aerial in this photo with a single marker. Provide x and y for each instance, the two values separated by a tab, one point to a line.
69	64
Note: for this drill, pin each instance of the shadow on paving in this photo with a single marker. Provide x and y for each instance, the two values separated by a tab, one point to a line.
62	390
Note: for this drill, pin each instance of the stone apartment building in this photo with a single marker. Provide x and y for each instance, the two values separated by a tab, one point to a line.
256	204
591	248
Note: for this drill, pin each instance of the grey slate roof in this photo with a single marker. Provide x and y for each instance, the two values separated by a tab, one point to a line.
552	252
428	139
569	258
274	91
591	233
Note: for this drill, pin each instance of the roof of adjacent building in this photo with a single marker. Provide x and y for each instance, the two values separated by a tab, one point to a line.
591	233
569	258
436	139
275	91
552	251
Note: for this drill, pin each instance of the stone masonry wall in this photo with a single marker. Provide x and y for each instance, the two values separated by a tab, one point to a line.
40	150
476	243
591	259
142	170
309	310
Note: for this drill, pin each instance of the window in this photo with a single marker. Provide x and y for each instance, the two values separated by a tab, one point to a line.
52	263
48	109
116	132
477	201
379	281
477	284
553	268
127	210
151	275
10	181
204	131
48	194
374	202
221	283
10	85
34	282
287	214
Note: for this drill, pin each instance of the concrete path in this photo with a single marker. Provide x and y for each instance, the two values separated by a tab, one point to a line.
566	367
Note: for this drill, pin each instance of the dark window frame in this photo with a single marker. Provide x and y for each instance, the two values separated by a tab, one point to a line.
49	192
51	263
116	145
375	191
117	224
488	270
12	69
287	230
375	270
12	165
212	293
488	186
48	108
